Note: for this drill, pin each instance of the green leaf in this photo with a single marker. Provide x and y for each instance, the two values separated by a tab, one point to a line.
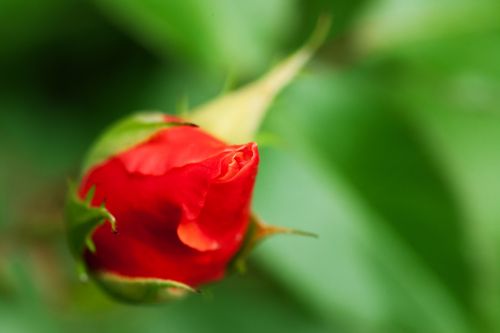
359	271
386	257
17	37
82	219
141	290
241	36
450	90
389	25
124	135
226	307
467	145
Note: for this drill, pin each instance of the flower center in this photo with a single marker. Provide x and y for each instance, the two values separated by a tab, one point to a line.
233	163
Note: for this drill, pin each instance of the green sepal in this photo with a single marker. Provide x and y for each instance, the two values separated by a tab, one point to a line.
82	219
238	263
236	117
126	134
141	290
258	231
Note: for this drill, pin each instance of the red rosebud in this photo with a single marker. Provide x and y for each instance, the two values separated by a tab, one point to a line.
177	199
181	201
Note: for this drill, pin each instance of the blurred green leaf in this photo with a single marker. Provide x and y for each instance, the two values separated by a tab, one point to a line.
457	116
362	276
384	214
450	89
232	305
354	127
215	33
467	146
343	13
388	25
27	313
16	35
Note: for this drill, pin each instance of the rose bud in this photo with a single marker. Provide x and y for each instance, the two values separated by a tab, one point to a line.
163	206
179	203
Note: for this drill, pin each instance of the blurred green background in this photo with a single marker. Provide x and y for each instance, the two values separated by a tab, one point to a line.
387	146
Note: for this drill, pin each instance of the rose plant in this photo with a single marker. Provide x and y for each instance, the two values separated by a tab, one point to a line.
163	206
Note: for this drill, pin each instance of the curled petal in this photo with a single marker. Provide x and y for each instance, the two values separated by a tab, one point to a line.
224	216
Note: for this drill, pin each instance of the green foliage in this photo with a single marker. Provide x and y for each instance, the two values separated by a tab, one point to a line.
374	156
238	36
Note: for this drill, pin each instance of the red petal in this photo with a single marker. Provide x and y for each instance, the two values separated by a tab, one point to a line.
147	217
181	201
171	148
224	216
